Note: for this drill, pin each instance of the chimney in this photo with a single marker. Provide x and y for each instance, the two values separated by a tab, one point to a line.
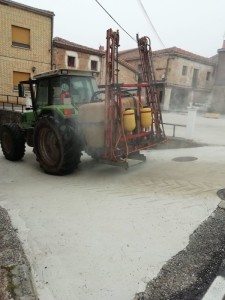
223	47
101	48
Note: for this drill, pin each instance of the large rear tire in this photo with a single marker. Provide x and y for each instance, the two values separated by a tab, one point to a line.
56	146
12	141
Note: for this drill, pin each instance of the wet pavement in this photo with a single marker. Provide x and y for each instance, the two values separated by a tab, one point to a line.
105	233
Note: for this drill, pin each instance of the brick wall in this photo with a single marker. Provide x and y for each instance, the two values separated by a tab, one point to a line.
126	75
218	93
21	59
82	61
60	59
174	75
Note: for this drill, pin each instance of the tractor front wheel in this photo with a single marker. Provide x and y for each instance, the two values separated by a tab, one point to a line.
12	141
56	147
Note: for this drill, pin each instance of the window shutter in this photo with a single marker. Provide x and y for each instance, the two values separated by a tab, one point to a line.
20	36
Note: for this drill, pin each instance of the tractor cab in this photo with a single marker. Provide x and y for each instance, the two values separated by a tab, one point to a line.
64	87
60	87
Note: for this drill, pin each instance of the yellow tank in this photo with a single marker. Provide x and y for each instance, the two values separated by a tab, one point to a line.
129	122
146	117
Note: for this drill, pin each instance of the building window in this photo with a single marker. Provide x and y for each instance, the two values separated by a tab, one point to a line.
94	65
208	76
19	76
20	37
184	70
71	61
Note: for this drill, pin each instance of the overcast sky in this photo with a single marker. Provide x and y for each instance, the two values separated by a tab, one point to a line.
197	26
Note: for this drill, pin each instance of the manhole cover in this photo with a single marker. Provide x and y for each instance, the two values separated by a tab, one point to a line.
221	194
184	158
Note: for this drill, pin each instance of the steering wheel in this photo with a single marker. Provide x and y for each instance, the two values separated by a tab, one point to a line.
95	96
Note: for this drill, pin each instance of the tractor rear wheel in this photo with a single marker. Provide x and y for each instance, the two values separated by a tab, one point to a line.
56	147
12	141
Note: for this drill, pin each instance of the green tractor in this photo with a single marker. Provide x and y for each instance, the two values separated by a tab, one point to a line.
70	114
51	125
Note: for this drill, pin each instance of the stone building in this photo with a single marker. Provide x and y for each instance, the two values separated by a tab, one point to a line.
182	78
218	92
26	44
70	55
127	72
67	54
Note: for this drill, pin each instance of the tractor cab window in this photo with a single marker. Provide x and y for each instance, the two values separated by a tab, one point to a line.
60	90
42	92
65	90
82	89
55	90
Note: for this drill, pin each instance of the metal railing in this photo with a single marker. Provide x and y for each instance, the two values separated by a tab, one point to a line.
174	126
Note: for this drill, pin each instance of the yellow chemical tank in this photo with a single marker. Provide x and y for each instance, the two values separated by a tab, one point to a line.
146	117
129	122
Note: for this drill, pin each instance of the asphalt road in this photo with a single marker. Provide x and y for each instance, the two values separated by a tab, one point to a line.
103	232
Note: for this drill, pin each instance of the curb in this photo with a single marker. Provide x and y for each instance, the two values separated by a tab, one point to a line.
216	290
15	275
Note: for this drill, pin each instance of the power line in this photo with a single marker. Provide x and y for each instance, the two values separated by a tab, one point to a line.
115	21
150	22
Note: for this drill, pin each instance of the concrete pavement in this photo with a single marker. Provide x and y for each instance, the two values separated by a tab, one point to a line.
206	130
102	232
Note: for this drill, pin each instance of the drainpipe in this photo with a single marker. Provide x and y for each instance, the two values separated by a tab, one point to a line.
52	18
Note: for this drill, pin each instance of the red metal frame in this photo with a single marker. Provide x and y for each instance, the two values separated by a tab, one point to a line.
110	80
119	144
